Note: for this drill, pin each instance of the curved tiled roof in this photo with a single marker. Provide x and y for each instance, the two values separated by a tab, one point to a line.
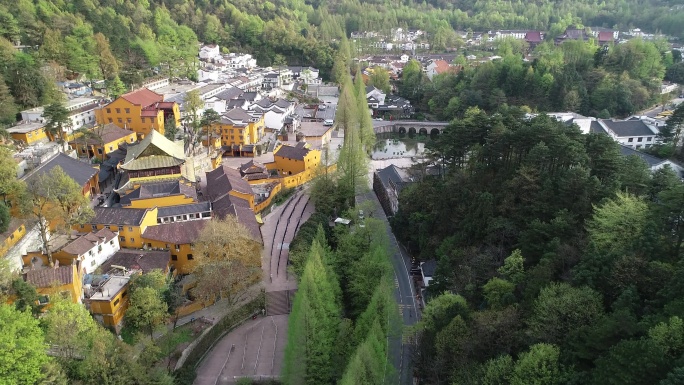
142	97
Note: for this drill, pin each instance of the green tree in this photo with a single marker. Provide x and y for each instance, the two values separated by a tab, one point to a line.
539	366
58	122
8	109
412	79
379	79
146	309
193	104
314	326
352	161
5	217
107	63
365	122
115	87
209	119
560	309
24	352
55	200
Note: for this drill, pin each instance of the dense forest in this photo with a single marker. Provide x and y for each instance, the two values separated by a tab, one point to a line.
558	259
574	76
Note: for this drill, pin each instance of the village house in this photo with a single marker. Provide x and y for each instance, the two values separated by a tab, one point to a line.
56	280
29	132
81	113
129	223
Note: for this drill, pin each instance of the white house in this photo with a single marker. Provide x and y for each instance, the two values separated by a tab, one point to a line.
93	249
81	113
209	52
653	162
635	133
376	94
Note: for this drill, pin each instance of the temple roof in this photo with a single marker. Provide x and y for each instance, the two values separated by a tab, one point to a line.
155	151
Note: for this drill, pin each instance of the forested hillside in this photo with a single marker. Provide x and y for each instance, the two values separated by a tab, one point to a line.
562	258
106	38
574	76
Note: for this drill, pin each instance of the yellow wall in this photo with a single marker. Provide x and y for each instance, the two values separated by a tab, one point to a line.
248	197
113	310
31	136
156	178
12	239
106	148
292	166
268	200
132	119
129	236
170	200
182	264
250	134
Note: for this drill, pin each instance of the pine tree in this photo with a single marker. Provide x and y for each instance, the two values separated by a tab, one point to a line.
365	121
352	163
314	325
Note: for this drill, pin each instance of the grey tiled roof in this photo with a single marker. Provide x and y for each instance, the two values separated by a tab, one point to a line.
118	216
628	127
192	208
78	171
651	160
291	152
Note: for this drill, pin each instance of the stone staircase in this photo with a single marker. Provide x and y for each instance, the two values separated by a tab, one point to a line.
279	302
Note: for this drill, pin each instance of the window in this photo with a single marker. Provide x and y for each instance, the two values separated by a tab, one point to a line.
649	138
190	257
128	120
116	302
130	228
90	253
119	120
110	120
118	110
640	139
99	151
111	242
177	247
122	239
43	299
124	294
630	140
92	263
83	150
120	228
128	110
174	257
132	240
149	245
111	148
83	226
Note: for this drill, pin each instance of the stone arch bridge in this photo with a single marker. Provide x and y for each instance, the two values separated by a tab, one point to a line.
409	127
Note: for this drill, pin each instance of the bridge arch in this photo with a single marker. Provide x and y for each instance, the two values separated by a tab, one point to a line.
412	131
435	131
402	130
423	131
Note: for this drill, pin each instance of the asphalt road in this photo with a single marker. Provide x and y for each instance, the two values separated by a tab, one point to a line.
655	111
401	349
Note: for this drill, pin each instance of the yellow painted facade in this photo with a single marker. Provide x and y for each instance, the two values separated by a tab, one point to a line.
101	150
110	311
250	133
248	197
130	236
30	137
287	166
182	258
259	207
133	116
169	200
14	233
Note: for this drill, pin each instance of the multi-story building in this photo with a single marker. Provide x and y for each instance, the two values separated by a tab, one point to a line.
81	112
56	280
141	111
129	223
240	127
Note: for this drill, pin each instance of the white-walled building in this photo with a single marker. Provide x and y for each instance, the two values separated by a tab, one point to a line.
209	52
93	249
81	113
